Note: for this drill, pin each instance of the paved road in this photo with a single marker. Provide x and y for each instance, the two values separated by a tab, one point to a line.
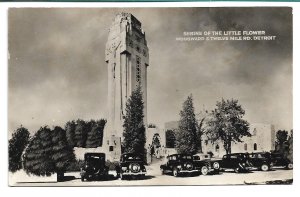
155	178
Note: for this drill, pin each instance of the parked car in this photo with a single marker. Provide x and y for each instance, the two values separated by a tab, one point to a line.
261	160
179	164
94	166
280	161
205	163
131	165
239	162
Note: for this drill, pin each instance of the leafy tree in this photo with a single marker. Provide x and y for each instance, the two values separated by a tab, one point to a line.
16	146
62	154
186	136
48	152
81	131
201	128
134	128
226	123
282	142
38	155
170	139
70	133
95	135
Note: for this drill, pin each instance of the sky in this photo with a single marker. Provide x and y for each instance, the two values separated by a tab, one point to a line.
57	72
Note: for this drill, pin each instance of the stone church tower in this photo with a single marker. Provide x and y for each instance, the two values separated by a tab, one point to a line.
127	60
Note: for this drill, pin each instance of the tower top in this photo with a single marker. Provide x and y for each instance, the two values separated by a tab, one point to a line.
128	18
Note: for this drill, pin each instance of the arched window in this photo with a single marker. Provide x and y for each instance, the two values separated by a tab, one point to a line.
217	148
245	146
255	146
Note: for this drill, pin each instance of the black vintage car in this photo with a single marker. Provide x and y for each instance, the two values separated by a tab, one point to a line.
239	162
206	165
280	160
94	167
131	165
178	164
261	160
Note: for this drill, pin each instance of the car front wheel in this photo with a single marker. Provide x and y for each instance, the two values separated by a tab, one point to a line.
175	172
237	170
264	167
204	170
162	171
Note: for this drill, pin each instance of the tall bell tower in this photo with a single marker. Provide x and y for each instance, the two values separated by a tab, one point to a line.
127	60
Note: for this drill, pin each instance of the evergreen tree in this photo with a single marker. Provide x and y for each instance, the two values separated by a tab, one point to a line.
95	135
38	155
62	154
70	132
16	146
81	131
134	128
290	146
226	123
186	136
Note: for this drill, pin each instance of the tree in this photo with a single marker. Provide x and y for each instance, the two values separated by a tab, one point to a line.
170	139
186	136
48	152
16	146
281	143
95	135
201	128
81	131
226	123
38	155
70	133
62	154
134	128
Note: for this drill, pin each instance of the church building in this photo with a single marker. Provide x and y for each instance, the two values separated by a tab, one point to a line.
127	59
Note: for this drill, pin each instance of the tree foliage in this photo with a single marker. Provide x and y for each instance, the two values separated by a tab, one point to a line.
16	146
37	157
186	136
170	139
70	132
62	154
48	152
284	143
134	128
95	135
226	123
81	131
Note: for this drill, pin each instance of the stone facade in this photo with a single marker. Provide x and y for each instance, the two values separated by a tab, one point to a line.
127	59
262	139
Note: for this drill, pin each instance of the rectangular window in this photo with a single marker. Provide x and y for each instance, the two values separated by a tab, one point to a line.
111	148
138	69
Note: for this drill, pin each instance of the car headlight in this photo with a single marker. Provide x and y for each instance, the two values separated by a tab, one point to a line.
179	166
216	165
243	164
124	168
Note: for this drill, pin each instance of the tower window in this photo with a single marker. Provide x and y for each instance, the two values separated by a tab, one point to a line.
138	69
245	146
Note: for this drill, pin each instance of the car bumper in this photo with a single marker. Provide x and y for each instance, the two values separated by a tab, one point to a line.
133	173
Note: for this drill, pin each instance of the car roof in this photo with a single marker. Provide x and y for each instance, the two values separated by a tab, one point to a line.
179	155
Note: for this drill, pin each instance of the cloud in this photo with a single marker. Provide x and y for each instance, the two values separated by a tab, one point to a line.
57	63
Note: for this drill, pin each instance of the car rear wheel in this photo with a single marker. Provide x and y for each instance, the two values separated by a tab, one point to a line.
264	167
289	166
82	179
175	172
204	170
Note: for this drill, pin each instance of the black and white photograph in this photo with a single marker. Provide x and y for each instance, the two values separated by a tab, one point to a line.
150	96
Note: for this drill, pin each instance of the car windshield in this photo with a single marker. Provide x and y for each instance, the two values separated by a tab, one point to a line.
196	157
187	157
